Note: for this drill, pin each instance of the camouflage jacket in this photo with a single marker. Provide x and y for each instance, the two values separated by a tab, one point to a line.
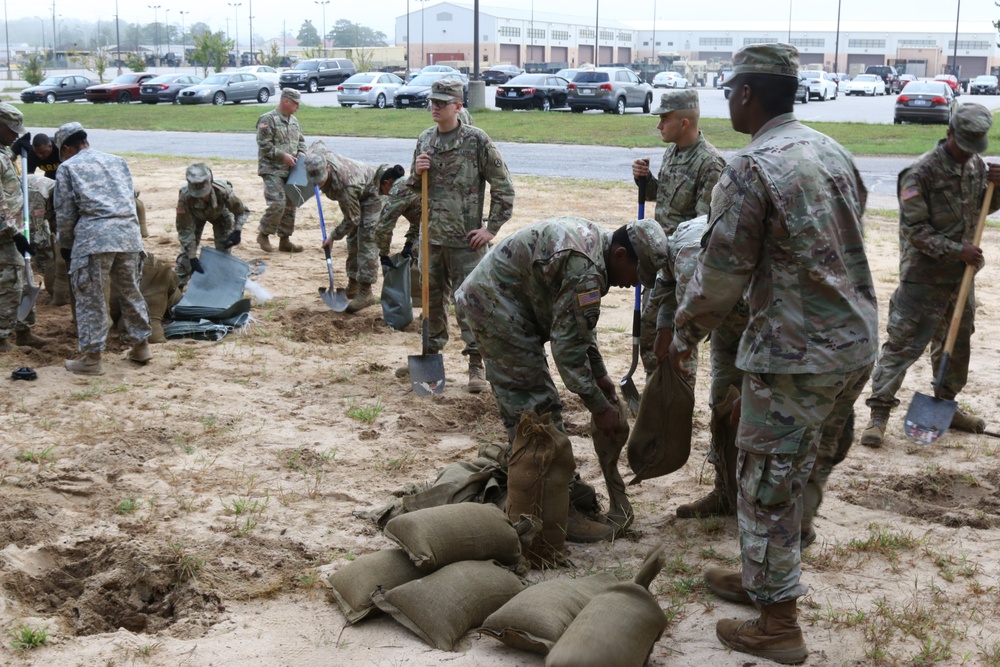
683	190
223	207
401	201
11	212
545	283
277	135
939	202
460	170
95	206
353	185
41	214
786	219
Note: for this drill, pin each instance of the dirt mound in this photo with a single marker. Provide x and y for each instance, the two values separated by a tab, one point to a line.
23	522
306	325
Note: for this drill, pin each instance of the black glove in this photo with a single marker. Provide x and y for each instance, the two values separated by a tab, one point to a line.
22	244
407	250
196	265
66	254
386	262
234	239
23	143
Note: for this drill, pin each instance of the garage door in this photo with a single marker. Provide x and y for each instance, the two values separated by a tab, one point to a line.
607	55
560	54
510	53
811	59
586	53
972	66
856	63
624	55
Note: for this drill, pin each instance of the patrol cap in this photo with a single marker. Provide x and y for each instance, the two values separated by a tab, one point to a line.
677	100
199	178
970	125
447	89
65	131
315	167
650	244
775	58
12	117
291	94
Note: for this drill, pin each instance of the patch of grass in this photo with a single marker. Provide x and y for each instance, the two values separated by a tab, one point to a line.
187	564
366	413
128	505
883	542
32	456
400	463
25	638
246	511
98	389
307	579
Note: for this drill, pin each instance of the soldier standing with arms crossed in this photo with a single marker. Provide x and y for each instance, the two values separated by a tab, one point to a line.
279	146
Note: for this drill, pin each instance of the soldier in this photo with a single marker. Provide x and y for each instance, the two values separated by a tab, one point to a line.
358	188
683	189
98	236
785	224
279	145
41	154
459	160
206	199
401	201
939	200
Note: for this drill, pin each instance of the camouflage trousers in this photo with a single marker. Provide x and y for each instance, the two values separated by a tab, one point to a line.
447	270
220	232
919	315
362	251
789	426
647	330
279	217
725	343
92	281
11	288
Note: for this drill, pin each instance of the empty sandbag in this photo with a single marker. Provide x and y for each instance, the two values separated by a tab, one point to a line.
352	586
660	441
438	536
535	619
444	605
608	450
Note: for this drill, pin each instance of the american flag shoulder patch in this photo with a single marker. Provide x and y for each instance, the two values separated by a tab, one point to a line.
909	193
588	298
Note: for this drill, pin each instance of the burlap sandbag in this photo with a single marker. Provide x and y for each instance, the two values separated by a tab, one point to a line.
59	280
539	470
140	213
443	606
439	536
353	585
608	452
660	441
159	287
535	619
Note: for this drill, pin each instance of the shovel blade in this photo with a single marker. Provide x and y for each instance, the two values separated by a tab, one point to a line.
336	300
426	373
928	418
27	301
631	394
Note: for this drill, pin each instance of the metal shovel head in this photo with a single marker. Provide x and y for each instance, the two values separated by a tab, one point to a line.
631	394
336	300
426	373
928	418
28	297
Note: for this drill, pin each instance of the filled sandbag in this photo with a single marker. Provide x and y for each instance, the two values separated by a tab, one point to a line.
444	605
353	585
608	450
535	619
397	301
660	442
439	536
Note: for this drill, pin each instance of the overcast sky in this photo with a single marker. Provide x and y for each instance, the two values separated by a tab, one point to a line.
380	14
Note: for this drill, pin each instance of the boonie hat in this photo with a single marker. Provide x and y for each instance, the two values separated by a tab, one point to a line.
447	89
291	94
676	100
199	178
315	167
12	117
65	131
650	243
970	125
775	58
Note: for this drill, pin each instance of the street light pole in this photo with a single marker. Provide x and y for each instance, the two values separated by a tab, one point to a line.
597	35
652	49
156	32
323	4
6	33
118	40
789	21
423	58
166	24
183	37
836	47
954	57
250	11
406	77
236	28
42	21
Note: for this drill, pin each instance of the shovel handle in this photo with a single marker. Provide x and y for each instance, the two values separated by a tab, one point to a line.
642	196
425	247
322	222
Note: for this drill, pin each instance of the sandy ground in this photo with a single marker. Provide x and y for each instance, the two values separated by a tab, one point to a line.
186	513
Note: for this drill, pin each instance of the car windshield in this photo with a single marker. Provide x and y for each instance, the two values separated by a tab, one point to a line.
215	79
125	78
986	79
527	80
424	79
591	77
943	77
812	75
306	66
862	78
928	87
52	81
566	73
164	79
361	78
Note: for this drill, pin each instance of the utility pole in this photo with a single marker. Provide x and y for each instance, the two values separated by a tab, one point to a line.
183	38
597	35
236	29
253	58
118	40
166	22
954	57
323	5
156	32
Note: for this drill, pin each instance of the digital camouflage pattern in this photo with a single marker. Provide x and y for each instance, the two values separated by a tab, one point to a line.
41	220
223	209
277	135
683	188
92	281
11	213
401	201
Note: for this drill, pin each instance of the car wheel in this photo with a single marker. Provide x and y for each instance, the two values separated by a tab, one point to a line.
825	96
648	104
896	121
380	101
219	98
313	85
347	106
576	109
263	95
545	104
124	97
50	98
619	109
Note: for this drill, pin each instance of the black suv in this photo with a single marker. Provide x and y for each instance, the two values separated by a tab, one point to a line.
887	74
317	74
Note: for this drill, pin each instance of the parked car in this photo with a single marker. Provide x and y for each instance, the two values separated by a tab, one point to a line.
905	79
925	102
952	82
889	76
822	86
669	80
165	88
122	89
57	88
801	94
570	72
611	89
533	91
377	89
724	76
983	85
500	74
866	84
842	80
317	74
438	69
414	94
262	71
232	87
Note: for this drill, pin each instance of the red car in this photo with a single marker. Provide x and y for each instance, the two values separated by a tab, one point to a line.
123	89
950	79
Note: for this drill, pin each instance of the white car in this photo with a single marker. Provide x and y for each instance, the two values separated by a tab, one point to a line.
262	71
822	86
377	89
866	84
669	80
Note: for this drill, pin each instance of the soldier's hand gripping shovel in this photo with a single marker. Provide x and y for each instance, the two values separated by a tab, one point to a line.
336	299
426	369
627	384
31	290
930	416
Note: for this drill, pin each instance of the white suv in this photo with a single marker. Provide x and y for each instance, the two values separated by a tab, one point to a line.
822	86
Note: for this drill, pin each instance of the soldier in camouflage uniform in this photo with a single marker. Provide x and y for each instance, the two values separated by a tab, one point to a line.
683	189
98	236
459	160
785	227
939	201
279	145
400	202
42	221
206	199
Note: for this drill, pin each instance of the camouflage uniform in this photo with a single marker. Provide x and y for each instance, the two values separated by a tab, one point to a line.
939	200
224	210
277	135
96	221
786	220
401	201
42	221
11	261
462	162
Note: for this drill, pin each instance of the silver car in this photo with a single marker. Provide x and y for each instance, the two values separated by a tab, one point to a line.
377	89
233	87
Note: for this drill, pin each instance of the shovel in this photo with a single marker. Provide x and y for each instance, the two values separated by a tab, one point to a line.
336	299
627	384
426	370
930	416
30	288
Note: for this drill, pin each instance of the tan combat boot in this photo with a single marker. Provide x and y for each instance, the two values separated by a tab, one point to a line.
140	354
363	299
26	337
727	585
775	635
716	503
89	365
265	243
581	529
874	433
285	245
962	421
352	288
477	380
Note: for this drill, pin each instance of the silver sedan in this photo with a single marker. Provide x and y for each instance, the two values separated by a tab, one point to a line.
221	88
377	89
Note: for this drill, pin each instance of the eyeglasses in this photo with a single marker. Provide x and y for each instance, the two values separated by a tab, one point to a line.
439	104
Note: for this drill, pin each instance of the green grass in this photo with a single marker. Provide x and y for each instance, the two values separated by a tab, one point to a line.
24	638
630	131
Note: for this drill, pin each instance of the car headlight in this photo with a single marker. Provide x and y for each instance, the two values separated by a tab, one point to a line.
207	91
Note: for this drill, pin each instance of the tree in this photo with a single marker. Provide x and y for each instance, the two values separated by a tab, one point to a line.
308	35
199	28
345	34
34	68
211	49
135	63
96	62
272	58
